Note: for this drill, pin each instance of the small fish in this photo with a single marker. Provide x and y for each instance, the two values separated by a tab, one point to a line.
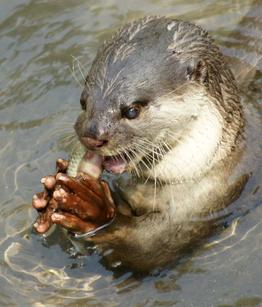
82	160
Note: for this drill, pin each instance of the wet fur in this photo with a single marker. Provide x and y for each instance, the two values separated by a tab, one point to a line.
184	146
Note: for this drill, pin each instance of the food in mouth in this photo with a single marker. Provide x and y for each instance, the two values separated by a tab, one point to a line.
114	164
93	164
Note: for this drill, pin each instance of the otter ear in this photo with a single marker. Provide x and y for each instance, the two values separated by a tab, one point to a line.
197	71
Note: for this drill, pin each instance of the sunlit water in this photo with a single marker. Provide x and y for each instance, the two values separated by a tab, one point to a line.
45	46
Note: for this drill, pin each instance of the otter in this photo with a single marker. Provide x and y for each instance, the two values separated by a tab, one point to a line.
162	109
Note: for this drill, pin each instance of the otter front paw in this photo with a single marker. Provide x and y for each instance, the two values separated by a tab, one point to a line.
84	203
79	204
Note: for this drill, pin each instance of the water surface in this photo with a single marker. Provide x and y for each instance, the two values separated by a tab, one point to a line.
45	47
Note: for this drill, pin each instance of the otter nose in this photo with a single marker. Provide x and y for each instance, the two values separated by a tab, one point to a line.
93	143
94	137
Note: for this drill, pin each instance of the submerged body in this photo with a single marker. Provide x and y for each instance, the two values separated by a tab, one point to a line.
161	108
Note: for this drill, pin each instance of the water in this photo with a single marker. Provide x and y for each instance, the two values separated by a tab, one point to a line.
41	46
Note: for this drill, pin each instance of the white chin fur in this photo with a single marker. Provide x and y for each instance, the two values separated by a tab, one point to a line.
198	149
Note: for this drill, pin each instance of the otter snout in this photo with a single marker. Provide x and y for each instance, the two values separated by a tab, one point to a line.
92	143
90	133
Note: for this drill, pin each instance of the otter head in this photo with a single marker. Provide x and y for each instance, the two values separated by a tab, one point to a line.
153	94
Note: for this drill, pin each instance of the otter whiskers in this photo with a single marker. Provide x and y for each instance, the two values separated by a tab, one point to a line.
81	70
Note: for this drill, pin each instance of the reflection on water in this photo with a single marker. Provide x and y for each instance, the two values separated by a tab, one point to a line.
45	46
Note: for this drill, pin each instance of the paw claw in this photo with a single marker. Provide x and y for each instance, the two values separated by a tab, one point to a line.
56	217
60	195
56	194
38	202
62	192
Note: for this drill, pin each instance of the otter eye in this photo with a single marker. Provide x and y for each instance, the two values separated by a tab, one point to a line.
131	113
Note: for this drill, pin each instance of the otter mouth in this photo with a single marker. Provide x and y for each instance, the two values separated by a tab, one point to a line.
115	164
